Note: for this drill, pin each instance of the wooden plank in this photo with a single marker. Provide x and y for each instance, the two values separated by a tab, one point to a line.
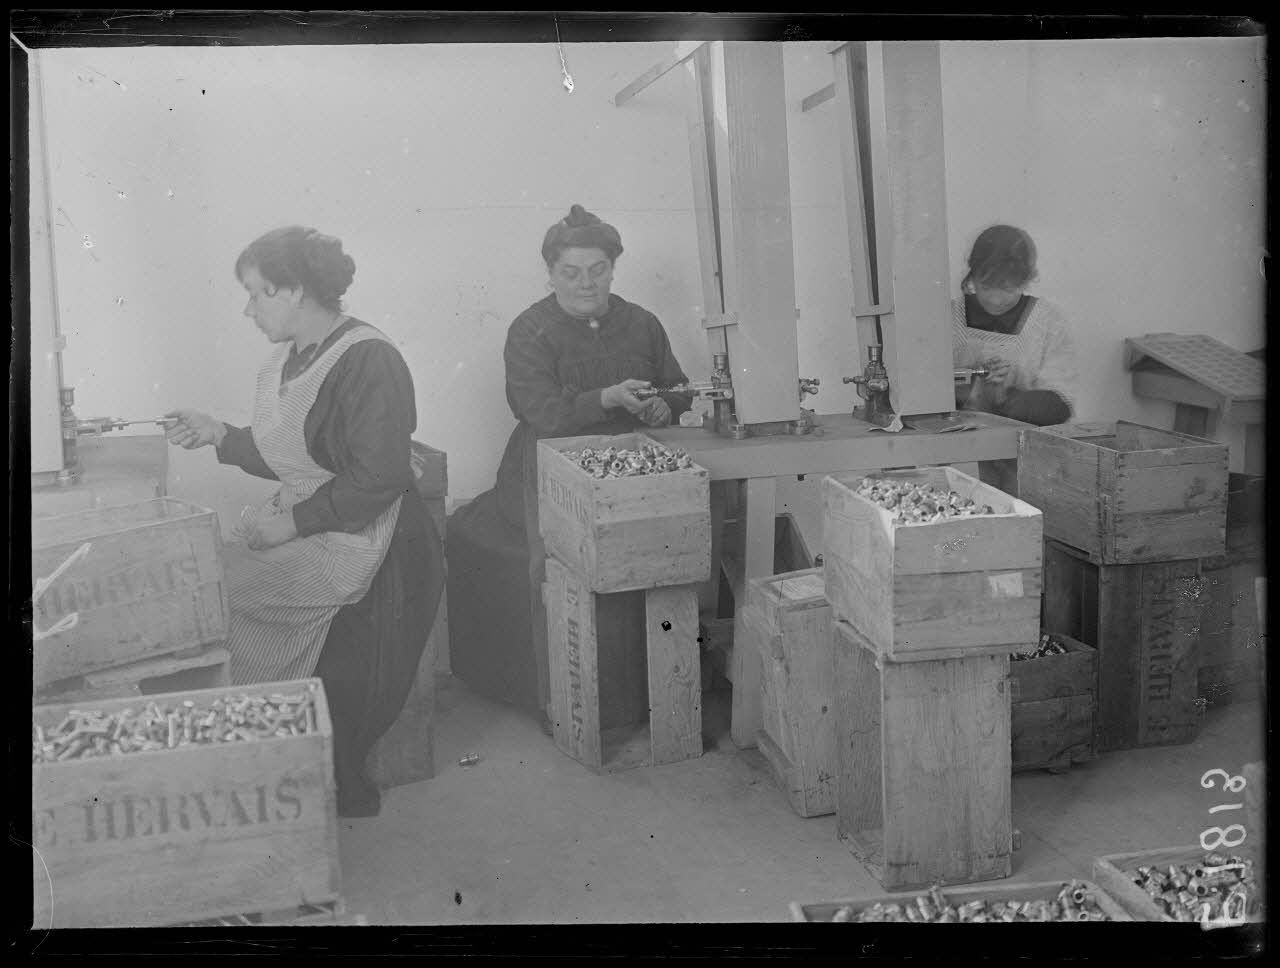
758	561
652	74
1170	656
572	655
859	747
702	146
947	799
808	705
957	896
150	583
918	345
1074	673
845	444
818	97
754	200
119	837
675	681
1164	384
1052	732
622	669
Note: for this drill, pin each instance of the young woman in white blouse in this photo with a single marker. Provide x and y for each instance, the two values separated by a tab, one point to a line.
1022	340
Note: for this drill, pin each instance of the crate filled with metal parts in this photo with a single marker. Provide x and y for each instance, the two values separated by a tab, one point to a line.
627	528
183	806
1048	901
933	579
1130	513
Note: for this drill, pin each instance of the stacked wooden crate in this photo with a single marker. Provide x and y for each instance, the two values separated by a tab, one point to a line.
131	599
610	543
406	752
925	618
191	831
788	622
1129	511
1053	702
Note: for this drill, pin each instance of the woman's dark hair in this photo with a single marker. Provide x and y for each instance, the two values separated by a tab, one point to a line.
1002	256
298	256
580	230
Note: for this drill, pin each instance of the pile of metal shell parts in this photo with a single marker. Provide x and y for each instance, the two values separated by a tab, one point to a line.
644	460
1219	885
174	724
910	502
1048	646
1074	902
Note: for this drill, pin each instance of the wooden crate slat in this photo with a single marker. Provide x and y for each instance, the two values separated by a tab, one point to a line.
1052	732
1110	872
575	702
675	674
153	838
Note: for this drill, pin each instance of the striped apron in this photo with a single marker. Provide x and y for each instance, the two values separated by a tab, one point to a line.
283	598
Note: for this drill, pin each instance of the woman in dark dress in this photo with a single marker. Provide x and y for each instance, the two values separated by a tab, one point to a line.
574	360
341	571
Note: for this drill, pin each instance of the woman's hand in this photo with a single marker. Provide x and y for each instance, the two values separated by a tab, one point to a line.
624	395
656	413
271	530
1000	373
194	429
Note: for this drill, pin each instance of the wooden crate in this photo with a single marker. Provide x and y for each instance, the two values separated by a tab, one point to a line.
406	752
788	620
672	729
628	533
1230	624
156	838
933	591
1124	493
1111	872
1143	621
1038	891
203	667
151	583
923	794
1053	702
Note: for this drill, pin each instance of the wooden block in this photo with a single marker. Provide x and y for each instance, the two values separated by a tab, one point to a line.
943	765
1143	621
757	558
572	654
406	752
626	533
1124	493
791	619
957	896
1111	873
929	591
155	838
150	583
675	674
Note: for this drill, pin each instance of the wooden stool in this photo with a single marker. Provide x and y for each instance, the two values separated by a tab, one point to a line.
203	667
923	795
673	730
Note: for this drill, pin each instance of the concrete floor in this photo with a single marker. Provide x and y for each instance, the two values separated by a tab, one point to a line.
529	836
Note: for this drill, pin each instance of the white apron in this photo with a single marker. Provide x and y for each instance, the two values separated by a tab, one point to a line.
283	599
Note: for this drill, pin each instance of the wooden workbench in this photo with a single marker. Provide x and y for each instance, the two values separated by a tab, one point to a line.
839	444
113	470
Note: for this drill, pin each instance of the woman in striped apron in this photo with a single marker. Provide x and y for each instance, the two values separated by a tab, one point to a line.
339	575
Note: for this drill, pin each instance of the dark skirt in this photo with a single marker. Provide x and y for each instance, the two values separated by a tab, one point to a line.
371	653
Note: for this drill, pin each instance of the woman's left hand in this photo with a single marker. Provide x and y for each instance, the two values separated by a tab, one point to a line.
271	530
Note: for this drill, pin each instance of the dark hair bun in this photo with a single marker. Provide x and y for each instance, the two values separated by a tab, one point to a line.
330	269
299	256
580	228
579	216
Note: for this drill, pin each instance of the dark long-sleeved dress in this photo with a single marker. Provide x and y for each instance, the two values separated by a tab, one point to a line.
359	429
556	366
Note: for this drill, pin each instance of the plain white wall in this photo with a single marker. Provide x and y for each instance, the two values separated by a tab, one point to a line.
1136	165
439	166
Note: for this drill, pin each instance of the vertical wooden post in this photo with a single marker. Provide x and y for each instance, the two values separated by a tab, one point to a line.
889	106
747	715
753	196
